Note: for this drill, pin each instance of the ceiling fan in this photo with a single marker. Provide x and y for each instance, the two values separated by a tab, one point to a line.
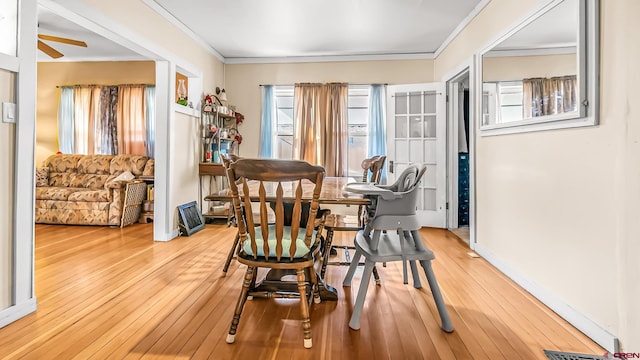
53	52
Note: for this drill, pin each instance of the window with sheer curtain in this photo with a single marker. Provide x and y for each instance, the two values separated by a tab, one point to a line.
106	120
278	115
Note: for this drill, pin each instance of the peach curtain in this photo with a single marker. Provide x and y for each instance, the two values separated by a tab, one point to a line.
320	126
131	120
86	116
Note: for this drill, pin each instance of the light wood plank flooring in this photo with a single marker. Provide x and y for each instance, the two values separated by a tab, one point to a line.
108	293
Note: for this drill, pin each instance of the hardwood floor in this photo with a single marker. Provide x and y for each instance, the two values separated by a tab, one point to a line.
108	293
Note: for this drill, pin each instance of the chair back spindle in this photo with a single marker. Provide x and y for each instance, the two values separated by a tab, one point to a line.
273	174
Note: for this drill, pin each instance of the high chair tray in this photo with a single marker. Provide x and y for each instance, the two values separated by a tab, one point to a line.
370	189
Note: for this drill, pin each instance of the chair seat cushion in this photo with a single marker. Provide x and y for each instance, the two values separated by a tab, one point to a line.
301	247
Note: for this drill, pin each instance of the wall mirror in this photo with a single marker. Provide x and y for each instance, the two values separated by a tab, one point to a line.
543	73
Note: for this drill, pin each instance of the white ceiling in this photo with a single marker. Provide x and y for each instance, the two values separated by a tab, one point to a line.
286	28
289	28
555	29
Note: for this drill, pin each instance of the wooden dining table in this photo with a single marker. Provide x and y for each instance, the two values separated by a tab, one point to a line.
333	192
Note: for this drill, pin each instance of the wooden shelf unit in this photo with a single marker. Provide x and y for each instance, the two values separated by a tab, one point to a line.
214	209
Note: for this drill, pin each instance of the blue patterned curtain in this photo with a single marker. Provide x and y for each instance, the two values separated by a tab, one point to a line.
65	121
267	121
150	113
377	131
106	132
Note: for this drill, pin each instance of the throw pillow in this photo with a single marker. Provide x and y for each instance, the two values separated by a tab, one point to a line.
42	176
125	176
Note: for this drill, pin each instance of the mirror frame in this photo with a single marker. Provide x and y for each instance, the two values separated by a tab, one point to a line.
588	61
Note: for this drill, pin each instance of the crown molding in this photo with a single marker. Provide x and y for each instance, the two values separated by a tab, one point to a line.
180	25
328	58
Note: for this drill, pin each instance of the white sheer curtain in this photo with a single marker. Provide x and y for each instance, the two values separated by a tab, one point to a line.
150	118
377	140
66	121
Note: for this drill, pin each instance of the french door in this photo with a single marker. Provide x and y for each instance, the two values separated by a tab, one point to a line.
416	134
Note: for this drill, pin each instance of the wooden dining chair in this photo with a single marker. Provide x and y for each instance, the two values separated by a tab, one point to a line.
276	245
372	173
226	160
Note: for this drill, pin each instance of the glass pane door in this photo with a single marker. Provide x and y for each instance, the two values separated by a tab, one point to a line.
418	136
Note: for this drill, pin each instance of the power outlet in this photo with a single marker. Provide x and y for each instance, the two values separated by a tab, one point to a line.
8	112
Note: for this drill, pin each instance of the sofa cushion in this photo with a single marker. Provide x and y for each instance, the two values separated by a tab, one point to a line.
95	164
71	205
61	180
75	217
42	176
54	193
90	195
63	163
133	163
89	181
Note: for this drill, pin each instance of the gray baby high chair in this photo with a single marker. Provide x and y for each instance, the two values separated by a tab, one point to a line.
393	208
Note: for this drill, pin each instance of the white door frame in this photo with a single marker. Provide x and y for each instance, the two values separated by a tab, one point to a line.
466	68
23	300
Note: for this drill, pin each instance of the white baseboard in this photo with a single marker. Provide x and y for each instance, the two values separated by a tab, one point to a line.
15	312
574	317
168	236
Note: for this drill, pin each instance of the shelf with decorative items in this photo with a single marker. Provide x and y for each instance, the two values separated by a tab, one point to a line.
219	129
219	135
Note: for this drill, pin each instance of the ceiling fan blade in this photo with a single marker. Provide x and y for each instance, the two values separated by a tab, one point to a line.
49	50
63	40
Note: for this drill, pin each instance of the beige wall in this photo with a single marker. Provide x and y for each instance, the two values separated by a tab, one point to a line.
7	189
243	84
52	74
187	140
561	207
509	68
139	18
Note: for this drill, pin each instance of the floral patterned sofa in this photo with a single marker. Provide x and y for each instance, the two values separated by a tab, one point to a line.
87	190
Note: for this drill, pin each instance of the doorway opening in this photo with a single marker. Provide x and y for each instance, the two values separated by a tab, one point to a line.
460	135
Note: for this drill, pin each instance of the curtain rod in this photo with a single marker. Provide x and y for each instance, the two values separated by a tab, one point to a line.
385	84
88	85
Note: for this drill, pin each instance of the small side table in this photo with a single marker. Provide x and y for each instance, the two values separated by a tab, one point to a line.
146	215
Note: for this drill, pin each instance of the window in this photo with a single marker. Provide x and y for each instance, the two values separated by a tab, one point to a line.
110	119
284	122
358	128
502	102
510	101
